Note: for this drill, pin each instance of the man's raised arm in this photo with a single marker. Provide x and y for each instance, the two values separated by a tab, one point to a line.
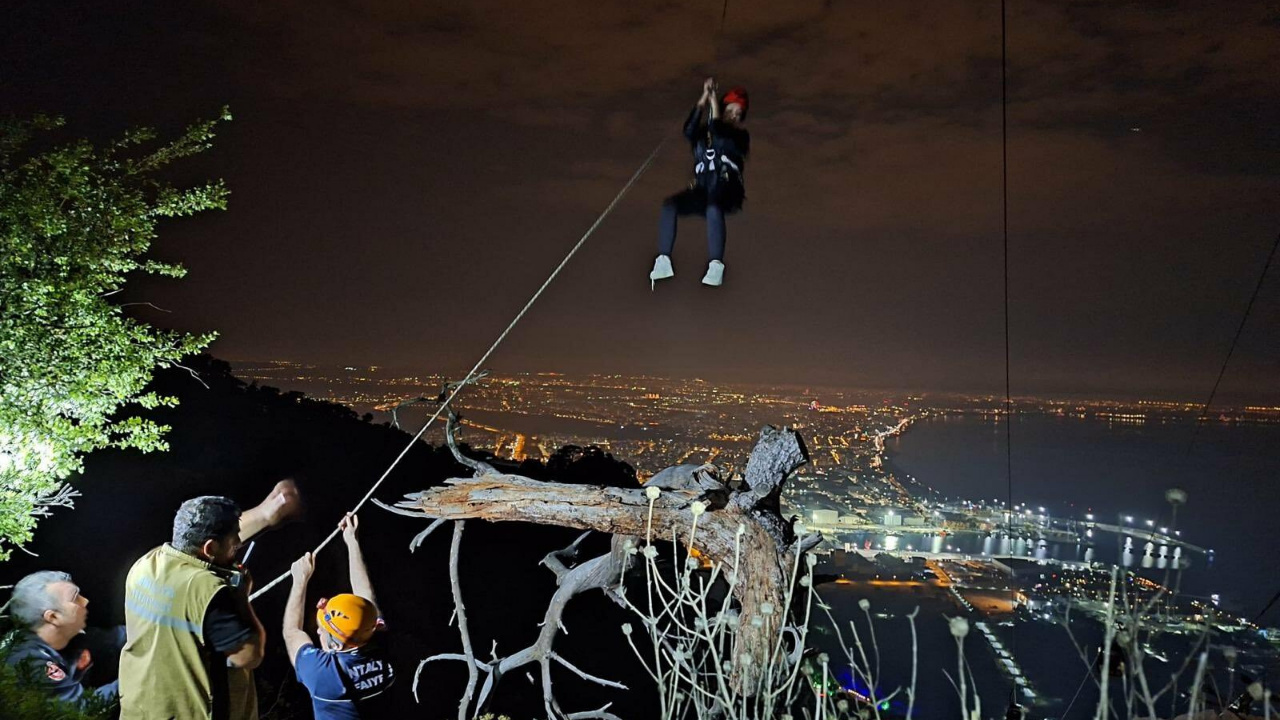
360	584
281	504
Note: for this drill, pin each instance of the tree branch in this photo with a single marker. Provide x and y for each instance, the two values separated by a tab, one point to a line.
742	531
461	611
450	429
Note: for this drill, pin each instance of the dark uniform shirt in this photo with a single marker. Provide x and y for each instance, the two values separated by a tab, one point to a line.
346	685
224	631
62	673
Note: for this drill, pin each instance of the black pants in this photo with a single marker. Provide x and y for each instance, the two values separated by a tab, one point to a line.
697	201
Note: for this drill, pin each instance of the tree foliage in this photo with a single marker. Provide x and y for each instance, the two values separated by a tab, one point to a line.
76	221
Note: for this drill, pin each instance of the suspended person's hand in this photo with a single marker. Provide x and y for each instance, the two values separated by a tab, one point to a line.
348	525
708	91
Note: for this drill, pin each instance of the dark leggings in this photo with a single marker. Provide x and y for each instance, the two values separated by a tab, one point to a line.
692	202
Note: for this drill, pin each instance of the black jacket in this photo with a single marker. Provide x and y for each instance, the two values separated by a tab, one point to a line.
61	674
720	152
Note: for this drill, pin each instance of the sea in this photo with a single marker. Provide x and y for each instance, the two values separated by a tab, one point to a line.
1071	466
1115	470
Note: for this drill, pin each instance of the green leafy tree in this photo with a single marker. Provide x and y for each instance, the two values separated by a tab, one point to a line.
75	221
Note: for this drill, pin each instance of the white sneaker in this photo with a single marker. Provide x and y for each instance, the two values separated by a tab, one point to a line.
661	270
715	274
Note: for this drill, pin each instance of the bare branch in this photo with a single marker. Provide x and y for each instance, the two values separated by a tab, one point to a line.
395	411
450	430
461	611
554	561
193	373
64	496
586	676
417	675
150	305
451	385
594	714
421	537
396	510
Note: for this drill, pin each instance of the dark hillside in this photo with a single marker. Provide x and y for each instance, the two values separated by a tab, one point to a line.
238	440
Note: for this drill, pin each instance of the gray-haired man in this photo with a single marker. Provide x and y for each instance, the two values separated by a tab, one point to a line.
51	613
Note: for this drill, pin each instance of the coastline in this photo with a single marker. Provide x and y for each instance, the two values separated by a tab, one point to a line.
1118	473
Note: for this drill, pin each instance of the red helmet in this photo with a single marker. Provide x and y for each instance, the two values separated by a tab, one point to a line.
736	95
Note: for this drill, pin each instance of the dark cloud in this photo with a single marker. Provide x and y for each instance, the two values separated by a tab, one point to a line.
404	175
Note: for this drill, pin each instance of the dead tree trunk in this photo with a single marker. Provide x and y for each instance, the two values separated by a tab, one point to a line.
742	524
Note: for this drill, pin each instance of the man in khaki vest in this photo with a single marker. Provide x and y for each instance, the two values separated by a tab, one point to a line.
193	638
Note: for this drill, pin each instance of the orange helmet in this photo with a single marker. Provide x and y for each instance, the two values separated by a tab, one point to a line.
349	618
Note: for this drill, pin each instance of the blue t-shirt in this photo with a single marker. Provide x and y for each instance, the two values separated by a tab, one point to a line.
344	685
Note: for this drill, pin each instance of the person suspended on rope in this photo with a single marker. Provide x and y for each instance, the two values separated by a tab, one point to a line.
721	144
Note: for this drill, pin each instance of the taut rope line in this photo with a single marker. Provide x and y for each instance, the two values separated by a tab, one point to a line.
471	374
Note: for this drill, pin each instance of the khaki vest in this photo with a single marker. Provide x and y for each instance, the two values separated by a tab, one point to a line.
165	666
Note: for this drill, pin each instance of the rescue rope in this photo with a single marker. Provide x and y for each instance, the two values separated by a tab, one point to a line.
472	374
1204	410
1004	179
724	14
1088	673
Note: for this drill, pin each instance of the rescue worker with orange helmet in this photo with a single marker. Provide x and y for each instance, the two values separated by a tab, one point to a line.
347	671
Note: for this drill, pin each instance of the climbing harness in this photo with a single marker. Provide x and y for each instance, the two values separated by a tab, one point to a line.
726	170
708	161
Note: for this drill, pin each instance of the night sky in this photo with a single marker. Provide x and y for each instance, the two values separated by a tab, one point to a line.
405	174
